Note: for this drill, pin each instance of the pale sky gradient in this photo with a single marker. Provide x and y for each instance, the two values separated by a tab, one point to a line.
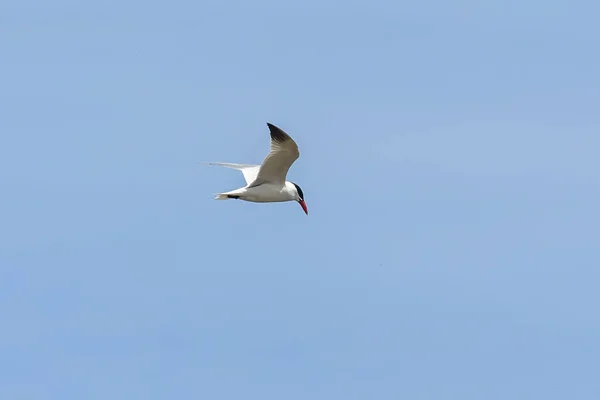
450	163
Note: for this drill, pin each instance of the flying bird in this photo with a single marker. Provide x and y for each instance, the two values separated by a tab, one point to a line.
266	183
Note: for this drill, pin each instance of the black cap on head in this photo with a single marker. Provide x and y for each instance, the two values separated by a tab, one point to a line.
299	191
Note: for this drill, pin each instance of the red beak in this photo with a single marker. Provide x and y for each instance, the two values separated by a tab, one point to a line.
303	204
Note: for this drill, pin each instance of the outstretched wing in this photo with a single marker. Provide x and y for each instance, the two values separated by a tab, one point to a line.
284	151
250	171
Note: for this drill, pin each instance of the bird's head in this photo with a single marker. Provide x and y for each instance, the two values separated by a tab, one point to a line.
300	198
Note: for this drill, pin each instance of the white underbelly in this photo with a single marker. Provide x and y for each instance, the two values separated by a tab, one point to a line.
266	194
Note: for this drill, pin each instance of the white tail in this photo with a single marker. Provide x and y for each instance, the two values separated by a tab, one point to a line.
221	196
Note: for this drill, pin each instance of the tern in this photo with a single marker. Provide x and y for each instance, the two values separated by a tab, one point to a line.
266	183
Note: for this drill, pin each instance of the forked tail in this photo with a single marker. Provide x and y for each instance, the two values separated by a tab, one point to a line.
224	196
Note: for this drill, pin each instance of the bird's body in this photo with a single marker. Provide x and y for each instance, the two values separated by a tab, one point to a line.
265	193
267	183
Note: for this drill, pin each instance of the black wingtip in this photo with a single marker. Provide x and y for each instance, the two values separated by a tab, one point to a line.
277	133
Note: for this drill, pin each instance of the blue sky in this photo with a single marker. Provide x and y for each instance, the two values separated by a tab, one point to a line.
449	160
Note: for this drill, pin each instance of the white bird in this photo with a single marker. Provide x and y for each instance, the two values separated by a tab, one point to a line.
266	183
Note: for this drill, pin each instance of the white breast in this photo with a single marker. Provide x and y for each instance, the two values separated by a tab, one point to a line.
267	193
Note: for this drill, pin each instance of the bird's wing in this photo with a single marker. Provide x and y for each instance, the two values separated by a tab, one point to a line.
250	171
284	151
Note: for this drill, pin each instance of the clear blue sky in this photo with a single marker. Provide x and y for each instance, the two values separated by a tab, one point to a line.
450	163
